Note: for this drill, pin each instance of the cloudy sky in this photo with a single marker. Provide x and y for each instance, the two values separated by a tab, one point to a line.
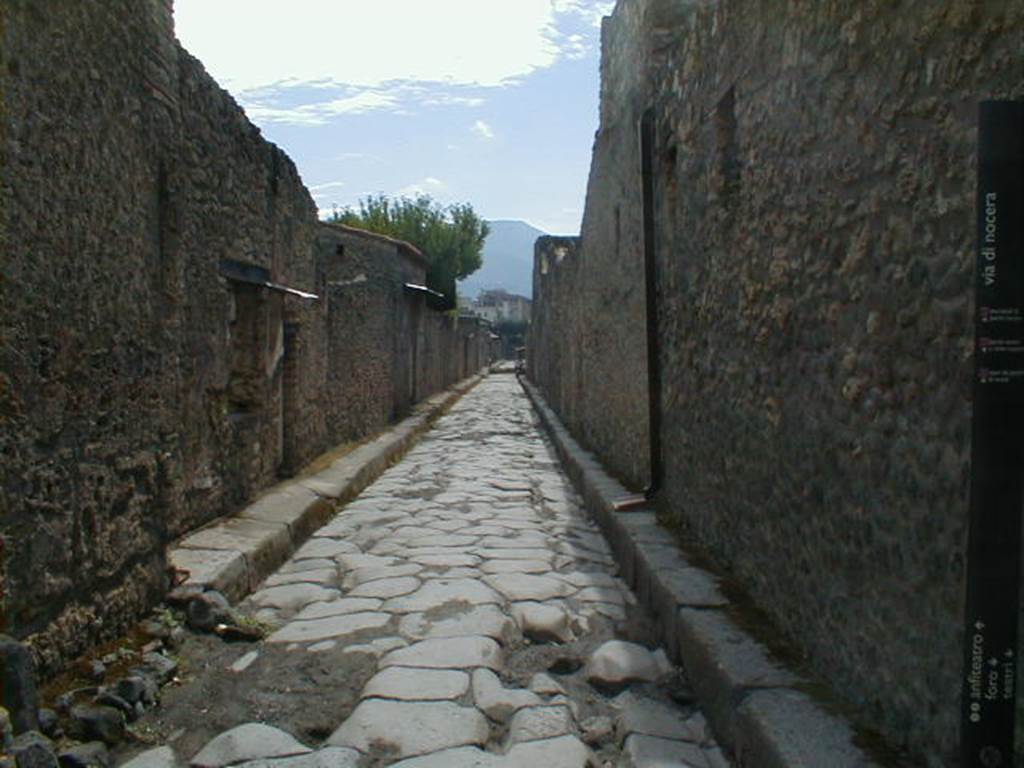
491	102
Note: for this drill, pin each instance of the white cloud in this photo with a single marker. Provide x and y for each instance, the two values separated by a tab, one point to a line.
319	113
483	130
428	186
469	42
322	190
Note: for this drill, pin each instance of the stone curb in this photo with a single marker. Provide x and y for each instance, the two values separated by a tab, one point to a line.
234	555
754	705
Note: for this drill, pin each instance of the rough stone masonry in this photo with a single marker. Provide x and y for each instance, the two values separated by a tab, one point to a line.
176	329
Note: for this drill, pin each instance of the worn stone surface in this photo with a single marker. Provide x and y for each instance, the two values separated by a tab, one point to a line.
247	742
314	630
410	728
416	684
328	757
446	682
546	722
158	757
447	653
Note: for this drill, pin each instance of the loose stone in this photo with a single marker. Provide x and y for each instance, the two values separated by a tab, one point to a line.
543	623
33	750
91	755
618	662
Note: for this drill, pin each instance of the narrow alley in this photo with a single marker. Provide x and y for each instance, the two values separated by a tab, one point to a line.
462	611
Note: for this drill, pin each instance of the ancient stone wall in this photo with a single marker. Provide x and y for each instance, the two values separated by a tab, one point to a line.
597	321
170	341
371	320
814	191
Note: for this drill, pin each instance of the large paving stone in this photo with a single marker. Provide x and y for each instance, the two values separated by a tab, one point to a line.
459	620
439	592
333	626
617	662
544	722
250	741
652	752
322	576
366	574
313	563
518	553
516	566
159	757
495	700
410	728
386	588
561	752
329	757
445	560
460	757
338	607
525	586
322	547
447	653
417	684
292	597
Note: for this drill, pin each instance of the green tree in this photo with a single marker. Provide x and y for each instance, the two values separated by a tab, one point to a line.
451	237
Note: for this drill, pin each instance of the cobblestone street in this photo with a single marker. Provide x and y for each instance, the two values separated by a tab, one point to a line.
462	611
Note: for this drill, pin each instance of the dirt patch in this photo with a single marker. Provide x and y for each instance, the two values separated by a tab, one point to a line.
304	693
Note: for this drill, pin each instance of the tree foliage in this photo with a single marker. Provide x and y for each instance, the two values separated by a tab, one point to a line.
451	237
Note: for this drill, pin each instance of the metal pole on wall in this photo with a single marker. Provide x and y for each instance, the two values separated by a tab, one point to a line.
997	446
651	287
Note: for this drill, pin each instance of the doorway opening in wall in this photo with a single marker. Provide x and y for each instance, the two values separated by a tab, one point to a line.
245	381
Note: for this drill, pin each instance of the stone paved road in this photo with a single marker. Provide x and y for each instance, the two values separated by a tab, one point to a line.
481	608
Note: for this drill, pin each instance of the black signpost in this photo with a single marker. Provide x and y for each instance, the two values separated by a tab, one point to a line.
997	454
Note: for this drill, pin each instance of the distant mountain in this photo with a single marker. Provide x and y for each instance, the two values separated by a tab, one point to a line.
508	260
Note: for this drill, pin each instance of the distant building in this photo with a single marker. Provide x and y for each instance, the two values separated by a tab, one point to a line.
500	306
